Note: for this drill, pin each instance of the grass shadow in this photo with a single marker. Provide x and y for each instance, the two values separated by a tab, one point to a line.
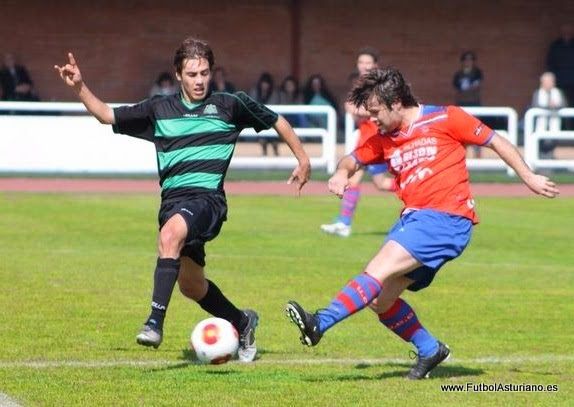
444	371
372	233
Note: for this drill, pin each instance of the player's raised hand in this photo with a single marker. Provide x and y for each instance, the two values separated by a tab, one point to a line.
338	183
300	175
70	73
542	186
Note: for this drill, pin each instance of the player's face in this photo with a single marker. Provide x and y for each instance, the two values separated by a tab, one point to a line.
365	63
194	78
387	120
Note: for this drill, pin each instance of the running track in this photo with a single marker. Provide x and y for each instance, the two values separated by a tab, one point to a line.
232	188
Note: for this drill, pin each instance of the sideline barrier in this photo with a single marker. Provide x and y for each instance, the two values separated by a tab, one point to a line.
510	132
75	142
532	138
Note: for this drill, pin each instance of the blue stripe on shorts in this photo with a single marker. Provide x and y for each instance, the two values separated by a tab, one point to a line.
433	238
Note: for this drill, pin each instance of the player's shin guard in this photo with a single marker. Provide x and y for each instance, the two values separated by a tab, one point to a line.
165	277
356	295
402	320
217	304
349	204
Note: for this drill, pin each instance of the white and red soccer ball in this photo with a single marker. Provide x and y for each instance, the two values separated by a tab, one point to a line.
214	341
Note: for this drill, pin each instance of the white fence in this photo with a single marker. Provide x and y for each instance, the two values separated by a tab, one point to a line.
532	138
328	136
510	132
78	143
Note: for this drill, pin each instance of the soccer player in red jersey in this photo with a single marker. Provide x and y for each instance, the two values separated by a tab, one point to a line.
367	59
424	147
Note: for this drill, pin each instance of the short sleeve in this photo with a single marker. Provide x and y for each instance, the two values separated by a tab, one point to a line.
370	152
466	128
249	113
135	120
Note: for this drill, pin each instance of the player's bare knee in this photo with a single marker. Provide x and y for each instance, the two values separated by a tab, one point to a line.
170	243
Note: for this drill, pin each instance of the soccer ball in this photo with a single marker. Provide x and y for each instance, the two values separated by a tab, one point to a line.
214	341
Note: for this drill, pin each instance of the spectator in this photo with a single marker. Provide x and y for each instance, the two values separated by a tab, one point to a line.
163	86
264	92
316	92
219	82
560	61
367	60
548	96
16	82
290	94
467	81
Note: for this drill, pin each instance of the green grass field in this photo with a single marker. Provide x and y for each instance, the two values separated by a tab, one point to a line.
76	274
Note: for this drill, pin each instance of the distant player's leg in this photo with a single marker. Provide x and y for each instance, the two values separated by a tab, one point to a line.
342	225
398	316
171	238
194	285
391	261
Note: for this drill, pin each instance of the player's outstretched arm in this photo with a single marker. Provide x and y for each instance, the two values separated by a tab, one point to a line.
339	182
71	75
302	172
510	155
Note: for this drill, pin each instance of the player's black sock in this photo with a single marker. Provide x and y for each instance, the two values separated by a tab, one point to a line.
164	280
219	306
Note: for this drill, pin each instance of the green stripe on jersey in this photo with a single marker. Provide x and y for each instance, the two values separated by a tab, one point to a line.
212	152
185	126
193	179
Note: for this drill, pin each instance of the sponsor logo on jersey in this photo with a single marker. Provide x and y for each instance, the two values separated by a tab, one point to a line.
210	109
478	130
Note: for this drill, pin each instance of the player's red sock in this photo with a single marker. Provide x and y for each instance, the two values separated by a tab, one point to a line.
402	320
356	295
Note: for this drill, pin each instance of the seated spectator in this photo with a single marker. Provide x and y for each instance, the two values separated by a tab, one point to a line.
264	92
219	82
16	82
316	92
289	94
548	96
467	82
163	86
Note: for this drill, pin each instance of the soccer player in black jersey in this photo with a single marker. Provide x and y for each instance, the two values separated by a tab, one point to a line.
194	135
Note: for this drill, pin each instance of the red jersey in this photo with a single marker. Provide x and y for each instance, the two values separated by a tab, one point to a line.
428	159
367	129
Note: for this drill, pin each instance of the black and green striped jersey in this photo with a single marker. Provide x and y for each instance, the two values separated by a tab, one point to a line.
194	142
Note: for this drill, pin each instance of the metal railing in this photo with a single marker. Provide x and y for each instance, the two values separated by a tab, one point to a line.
532	138
36	142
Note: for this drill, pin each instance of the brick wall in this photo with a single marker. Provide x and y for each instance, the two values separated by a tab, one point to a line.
122	45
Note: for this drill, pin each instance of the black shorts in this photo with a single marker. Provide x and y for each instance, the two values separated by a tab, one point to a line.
204	216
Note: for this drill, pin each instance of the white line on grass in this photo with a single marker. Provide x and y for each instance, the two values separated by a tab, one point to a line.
487	360
6	401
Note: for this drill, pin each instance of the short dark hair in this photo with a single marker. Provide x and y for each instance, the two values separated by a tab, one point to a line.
192	48
370	51
467	54
387	84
